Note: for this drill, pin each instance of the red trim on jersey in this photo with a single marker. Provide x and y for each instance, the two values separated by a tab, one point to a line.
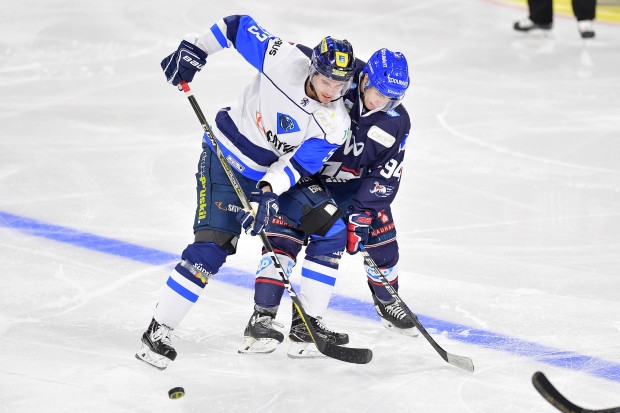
269	281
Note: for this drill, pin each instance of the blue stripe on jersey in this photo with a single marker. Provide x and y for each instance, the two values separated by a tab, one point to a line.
182	291
291	175
260	155
317	276
219	36
251	41
244	170
311	155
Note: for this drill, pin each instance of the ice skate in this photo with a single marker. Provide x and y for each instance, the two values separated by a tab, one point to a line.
259	336
527	25
585	29
394	318
302	345
156	346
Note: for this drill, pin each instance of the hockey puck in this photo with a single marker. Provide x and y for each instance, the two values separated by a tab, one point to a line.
176	392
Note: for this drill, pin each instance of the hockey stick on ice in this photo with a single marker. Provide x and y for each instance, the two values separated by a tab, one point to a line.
458	361
348	354
553	396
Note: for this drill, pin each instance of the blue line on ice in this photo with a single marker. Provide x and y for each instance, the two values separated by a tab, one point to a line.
552	356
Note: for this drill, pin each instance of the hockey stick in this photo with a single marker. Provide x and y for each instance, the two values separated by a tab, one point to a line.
553	396
348	354
458	361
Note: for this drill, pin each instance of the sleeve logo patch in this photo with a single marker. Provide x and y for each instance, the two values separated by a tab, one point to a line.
382	191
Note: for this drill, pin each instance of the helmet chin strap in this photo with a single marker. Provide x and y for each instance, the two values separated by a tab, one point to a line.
316	95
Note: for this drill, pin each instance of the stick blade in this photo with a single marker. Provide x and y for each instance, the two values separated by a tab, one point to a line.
348	354
460	361
552	395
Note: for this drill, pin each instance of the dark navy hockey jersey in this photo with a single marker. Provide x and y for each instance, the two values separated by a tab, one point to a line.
373	154
371	160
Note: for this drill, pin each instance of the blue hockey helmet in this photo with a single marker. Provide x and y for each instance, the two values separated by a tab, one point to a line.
334	59
388	72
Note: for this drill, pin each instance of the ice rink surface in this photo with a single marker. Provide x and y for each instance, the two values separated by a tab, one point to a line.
508	215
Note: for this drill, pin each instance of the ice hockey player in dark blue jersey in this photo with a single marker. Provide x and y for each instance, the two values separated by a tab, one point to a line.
288	121
364	174
362	177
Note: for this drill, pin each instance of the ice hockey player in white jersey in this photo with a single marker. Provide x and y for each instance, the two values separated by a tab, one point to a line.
286	124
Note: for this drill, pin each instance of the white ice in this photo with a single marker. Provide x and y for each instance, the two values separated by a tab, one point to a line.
508	215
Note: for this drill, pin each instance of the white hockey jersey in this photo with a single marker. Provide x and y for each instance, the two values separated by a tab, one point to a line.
275	133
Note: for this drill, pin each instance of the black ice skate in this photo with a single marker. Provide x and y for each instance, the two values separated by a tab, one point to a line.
260	336
394	318
156	347
527	25
301	338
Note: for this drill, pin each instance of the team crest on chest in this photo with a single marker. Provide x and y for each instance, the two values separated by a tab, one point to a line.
286	124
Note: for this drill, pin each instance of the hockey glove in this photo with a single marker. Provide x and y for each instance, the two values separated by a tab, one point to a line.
184	63
267	206
358	230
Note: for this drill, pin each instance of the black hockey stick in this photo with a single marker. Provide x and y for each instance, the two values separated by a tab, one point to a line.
553	396
458	361
348	354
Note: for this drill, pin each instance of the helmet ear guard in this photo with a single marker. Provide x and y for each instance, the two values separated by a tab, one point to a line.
388	72
335	60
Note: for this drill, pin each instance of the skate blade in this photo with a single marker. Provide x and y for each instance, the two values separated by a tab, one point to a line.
253	345
156	360
411	332
304	351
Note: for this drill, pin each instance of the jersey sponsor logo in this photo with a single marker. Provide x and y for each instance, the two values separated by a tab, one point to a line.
382	191
304	102
228	208
202	203
314	189
264	263
234	163
202	274
281	222
351	145
286	124
380	136
275	47
202	195
272	138
382	230
348	105
392	113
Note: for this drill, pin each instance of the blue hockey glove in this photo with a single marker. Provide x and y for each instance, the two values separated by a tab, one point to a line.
358	230
184	63
267	207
